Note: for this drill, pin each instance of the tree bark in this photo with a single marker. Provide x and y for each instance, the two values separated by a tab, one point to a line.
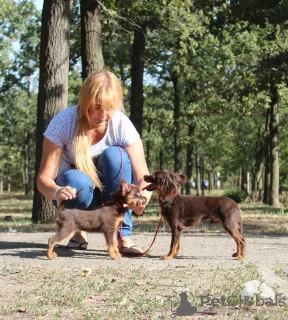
198	173
91	49
257	169
274	124
177	127
137	71
53	86
1	181
267	170
202	176
189	159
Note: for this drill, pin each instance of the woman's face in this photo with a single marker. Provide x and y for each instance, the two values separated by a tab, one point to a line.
98	116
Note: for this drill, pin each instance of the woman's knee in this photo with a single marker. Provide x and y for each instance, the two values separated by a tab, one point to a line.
82	183
115	156
114	160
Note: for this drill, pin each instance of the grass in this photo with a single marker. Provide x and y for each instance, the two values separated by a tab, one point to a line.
258	219
141	293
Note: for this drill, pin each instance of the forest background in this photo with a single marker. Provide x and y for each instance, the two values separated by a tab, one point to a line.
205	85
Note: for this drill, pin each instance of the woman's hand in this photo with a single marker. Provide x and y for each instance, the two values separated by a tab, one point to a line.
64	193
137	206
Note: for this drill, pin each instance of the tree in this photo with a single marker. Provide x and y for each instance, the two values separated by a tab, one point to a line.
53	86
19	48
91	50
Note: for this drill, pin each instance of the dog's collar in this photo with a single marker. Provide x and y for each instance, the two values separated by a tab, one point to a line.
169	196
116	204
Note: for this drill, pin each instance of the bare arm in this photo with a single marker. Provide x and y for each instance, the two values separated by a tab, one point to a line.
139	166
50	164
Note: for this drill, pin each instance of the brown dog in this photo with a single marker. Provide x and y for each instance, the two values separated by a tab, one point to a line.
105	219
187	211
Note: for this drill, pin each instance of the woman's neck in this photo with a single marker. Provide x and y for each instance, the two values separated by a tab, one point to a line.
97	133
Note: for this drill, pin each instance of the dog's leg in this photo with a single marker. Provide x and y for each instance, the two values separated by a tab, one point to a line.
116	250
235	230
243	242
175	243
110	237
61	235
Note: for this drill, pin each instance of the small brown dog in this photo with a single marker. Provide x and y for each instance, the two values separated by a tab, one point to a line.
105	219
187	211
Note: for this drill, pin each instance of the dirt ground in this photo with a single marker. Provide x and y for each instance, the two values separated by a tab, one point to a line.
89	285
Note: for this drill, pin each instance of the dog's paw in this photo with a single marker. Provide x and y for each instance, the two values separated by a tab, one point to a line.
167	258
235	255
52	255
116	257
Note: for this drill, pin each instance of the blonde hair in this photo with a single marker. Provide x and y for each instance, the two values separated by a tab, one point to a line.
106	87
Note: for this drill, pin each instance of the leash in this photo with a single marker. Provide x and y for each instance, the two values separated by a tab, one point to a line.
134	255
121	234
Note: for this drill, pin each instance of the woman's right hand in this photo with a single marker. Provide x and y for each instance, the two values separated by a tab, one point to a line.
64	193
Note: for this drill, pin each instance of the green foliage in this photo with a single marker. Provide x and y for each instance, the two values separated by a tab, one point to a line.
225	55
18	71
237	195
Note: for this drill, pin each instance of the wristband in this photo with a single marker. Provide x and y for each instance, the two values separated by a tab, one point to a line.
57	191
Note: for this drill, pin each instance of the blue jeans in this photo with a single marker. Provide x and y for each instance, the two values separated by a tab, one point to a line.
112	165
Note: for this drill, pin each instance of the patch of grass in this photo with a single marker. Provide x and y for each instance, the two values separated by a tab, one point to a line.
257	218
281	272
122	292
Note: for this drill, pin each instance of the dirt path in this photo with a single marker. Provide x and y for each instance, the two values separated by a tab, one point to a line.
197	250
199	254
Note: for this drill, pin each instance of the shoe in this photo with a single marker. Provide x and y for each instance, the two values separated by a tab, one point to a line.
128	247
73	244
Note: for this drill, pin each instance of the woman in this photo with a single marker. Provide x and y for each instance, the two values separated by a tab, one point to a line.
91	147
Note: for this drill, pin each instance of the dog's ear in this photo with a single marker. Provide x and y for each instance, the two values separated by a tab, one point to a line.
124	187
180	178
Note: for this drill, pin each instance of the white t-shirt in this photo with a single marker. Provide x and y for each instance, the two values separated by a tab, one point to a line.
120	132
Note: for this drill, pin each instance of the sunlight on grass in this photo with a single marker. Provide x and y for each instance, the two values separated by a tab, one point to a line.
257	218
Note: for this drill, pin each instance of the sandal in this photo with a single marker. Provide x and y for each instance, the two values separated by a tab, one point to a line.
77	245
128	247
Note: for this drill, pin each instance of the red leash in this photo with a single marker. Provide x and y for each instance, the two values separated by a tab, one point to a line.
121	235
133	255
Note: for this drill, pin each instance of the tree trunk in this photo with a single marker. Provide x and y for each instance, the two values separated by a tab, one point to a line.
198	174
267	171
210	180
8	179
137	71
122	74
244	179
189	159
257	168
91	49
274	124
202	176
53	86
177	143
1	181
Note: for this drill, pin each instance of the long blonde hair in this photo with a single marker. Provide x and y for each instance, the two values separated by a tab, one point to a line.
106	87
